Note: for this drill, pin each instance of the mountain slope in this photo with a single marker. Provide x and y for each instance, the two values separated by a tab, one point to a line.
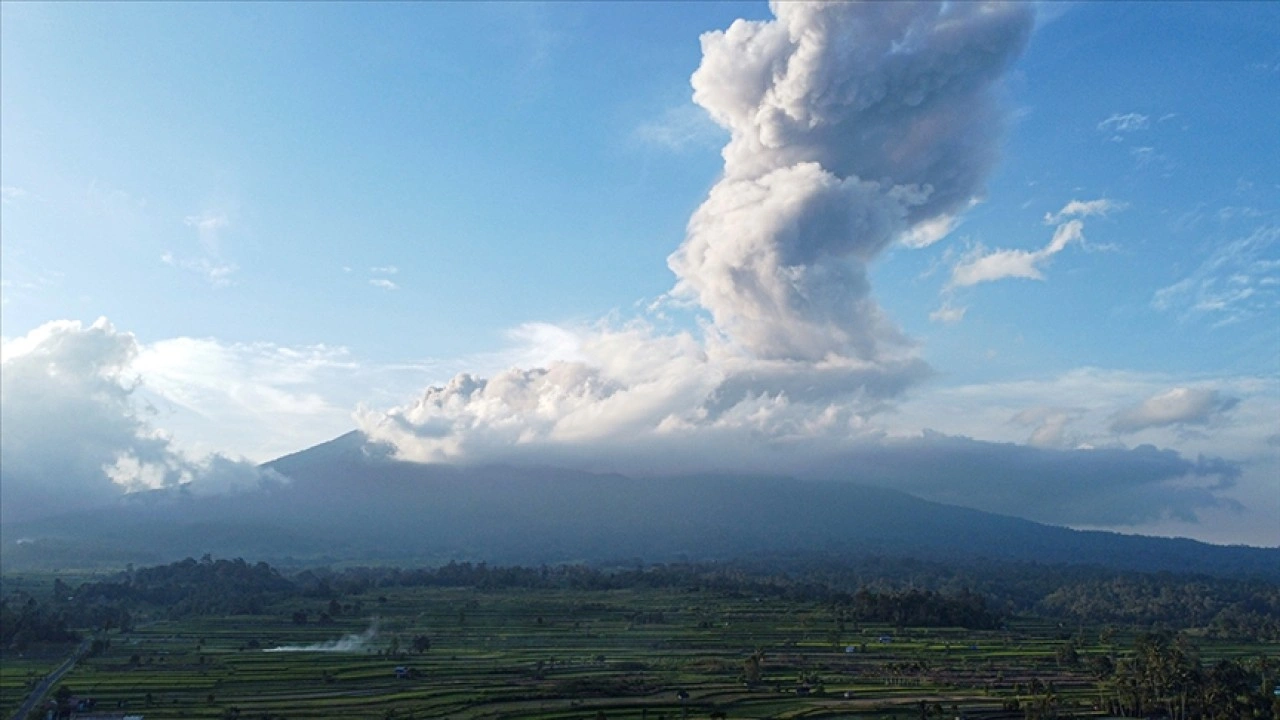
348	501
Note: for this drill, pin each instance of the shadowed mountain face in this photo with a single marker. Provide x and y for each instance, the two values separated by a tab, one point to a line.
349	501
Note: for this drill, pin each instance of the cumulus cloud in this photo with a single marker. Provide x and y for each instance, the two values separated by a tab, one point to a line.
988	266
74	435
1179	406
383	283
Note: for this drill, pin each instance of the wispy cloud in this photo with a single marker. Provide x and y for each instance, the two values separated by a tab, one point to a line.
1238	281
383	283
1148	157
1084	208
209	263
681	127
10	194
982	266
217	273
208	225
948	314
1124	123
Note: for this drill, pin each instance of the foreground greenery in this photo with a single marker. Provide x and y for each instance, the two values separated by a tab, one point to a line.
195	639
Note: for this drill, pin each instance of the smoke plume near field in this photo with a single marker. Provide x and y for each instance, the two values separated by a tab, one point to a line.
352	643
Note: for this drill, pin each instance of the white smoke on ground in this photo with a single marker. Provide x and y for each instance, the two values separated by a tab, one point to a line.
351	643
852	126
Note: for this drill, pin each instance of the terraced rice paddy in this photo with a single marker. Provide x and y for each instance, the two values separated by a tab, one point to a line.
568	654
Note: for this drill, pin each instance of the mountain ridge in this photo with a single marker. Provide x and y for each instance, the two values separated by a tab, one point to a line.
348	500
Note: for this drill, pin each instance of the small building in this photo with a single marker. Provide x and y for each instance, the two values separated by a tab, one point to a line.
886	638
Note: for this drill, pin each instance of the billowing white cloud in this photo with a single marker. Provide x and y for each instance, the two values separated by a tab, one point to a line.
1179	406
631	390
74	435
851	126
982	266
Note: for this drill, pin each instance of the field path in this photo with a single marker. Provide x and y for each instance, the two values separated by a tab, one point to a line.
43	688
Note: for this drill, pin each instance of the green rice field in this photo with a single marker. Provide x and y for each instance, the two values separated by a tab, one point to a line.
655	654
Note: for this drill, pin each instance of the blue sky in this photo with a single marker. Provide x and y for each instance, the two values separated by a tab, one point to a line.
300	216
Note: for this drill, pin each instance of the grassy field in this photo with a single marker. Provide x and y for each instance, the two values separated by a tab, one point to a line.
651	654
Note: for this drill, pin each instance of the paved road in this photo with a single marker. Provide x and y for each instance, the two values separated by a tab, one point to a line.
43	688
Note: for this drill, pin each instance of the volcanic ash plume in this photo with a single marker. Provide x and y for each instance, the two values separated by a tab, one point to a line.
852	125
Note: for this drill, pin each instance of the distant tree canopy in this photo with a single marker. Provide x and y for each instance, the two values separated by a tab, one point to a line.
1224	608
207	587
893	591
